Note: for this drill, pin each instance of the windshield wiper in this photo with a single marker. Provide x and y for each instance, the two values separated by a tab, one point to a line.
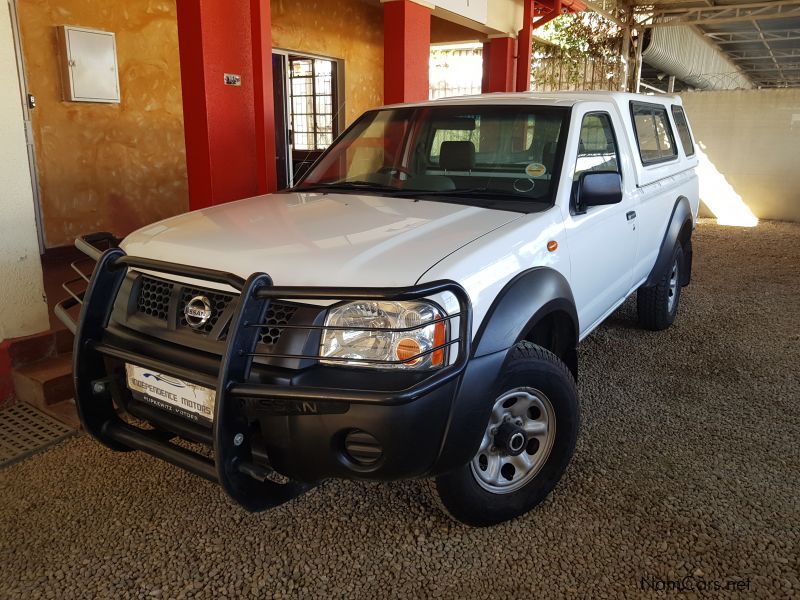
366	186
476	196
478	193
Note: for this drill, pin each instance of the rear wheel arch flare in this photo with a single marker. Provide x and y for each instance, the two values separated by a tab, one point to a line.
679	230
686	232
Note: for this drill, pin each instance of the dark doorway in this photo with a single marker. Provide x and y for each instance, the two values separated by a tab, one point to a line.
307	111
282	163
313	109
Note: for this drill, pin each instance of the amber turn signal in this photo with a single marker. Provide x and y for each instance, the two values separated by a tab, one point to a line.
552	245
438	340
407	349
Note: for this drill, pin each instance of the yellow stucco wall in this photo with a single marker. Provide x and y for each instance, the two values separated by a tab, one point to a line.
118	167
751	139
112	167
350	30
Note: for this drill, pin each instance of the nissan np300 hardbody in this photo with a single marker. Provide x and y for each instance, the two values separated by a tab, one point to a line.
411	308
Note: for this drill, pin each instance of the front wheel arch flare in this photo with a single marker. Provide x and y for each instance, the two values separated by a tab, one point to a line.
552	328
521	305
525	301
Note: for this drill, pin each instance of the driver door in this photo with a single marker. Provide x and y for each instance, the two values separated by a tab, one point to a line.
602	239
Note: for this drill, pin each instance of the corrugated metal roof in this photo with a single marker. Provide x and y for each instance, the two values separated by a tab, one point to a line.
761	37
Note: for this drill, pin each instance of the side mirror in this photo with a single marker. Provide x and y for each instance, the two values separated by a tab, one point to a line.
595	188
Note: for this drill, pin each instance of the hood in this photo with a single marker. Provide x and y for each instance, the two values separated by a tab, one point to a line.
317	239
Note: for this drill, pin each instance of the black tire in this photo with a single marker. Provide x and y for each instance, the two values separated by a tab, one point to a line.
527	366
686	275
655	305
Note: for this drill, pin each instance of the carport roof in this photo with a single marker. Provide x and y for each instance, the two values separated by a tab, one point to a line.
762	37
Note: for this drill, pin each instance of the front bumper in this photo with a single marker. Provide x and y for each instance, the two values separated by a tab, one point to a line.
302	424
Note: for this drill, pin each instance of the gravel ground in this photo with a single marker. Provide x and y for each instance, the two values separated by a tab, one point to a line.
687	469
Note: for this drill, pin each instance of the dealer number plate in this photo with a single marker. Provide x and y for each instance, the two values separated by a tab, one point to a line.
179	397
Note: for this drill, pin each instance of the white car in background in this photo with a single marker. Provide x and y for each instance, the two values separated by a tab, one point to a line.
410	309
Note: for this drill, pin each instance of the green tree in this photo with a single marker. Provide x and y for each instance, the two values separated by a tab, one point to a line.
580	51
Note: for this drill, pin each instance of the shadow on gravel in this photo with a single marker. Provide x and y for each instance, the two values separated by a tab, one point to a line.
687	470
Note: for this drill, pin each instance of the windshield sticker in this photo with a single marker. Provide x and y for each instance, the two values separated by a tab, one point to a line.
535	170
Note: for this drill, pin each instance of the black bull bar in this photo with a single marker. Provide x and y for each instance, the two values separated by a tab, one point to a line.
233	465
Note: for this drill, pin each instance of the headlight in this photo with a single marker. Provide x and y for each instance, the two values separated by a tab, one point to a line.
350	340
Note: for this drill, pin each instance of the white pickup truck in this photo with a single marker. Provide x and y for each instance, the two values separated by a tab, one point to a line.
410	309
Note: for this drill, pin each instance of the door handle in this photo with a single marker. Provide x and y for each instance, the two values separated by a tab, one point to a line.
630	215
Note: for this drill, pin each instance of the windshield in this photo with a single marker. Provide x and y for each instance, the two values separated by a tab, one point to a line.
506	156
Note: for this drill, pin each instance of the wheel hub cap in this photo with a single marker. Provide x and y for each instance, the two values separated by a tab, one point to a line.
510	439
673	286
517	441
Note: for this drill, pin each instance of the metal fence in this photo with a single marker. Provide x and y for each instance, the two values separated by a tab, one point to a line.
568	74
458	72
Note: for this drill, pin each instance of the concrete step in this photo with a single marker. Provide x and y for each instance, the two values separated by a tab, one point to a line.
32	348
45	382
64	411
64	339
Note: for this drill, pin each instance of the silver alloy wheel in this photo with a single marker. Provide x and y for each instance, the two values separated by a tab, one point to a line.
673	287
503	465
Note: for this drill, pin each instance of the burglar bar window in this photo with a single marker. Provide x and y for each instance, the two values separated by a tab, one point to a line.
313	92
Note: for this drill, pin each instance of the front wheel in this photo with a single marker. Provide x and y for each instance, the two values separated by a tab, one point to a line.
527	444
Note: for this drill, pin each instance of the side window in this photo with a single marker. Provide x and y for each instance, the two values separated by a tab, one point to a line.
683	130
597	146
653	133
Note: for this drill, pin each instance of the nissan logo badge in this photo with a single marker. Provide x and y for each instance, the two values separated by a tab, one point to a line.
197	312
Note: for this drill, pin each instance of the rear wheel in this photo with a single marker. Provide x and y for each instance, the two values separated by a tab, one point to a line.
657	306
527	444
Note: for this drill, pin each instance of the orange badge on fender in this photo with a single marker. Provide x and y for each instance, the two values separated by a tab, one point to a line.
552	245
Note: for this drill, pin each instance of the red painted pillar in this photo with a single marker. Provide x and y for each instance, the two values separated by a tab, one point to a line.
406	51
543	11
264	98
229	129
498	65
524	49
